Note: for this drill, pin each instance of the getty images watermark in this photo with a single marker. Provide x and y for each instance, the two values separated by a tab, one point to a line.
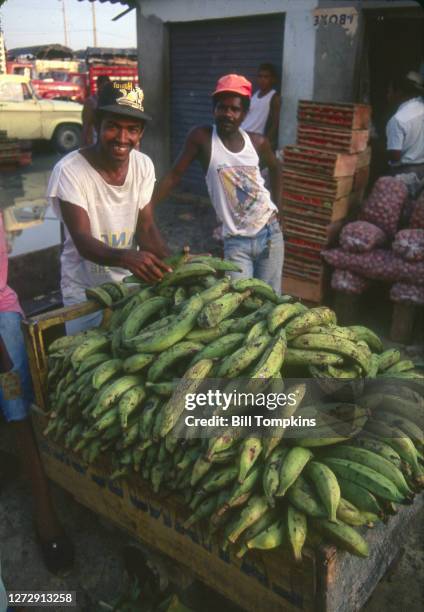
217	400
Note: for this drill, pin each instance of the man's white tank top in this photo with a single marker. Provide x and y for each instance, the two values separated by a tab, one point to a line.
237	189
258	114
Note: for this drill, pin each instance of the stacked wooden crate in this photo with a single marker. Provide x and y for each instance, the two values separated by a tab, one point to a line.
324	175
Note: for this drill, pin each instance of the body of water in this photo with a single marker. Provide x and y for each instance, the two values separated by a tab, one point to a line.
30	222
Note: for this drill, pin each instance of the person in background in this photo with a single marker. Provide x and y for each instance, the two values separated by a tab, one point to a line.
230	158
89	134
15	400
102	195
264	113
405	131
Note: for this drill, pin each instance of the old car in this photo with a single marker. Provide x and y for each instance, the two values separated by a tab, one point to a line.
24	115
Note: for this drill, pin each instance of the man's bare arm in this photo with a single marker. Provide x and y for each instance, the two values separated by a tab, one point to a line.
191	151
147	234
268	160
394	156
141	263
273	121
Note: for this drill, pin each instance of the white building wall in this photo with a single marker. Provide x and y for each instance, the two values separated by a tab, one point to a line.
318	62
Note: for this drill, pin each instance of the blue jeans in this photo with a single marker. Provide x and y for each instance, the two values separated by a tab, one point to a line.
83	323
260	256
15	399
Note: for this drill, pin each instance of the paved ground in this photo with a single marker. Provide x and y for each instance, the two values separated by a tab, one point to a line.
100	567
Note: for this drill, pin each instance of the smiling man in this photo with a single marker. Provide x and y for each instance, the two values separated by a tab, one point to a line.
102	194
230	158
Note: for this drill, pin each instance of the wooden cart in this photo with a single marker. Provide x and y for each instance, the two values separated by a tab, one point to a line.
327	580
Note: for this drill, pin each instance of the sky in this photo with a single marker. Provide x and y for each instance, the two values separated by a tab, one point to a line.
38	22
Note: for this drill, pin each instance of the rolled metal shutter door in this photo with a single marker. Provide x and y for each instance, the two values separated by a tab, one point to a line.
201	52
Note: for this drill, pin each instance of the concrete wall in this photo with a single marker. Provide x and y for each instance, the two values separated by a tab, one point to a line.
340	29
321	60
297	66
153	61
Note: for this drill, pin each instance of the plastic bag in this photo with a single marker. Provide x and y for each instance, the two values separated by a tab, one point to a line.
380	264
409	244
407	293
361	237
384	205
348	282
417	217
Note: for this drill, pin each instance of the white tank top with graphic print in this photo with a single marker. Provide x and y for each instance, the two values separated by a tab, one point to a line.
237	189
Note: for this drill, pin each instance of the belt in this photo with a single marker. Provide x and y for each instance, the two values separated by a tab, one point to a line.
274	217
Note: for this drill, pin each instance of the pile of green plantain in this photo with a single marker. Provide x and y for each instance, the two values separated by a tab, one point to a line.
113	393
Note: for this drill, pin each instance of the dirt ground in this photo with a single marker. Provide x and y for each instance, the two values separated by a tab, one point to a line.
99	572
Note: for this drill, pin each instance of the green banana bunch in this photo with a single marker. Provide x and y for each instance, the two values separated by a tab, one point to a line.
349	514
89	346
343	535
359	496
250	451
172	333
215	480
366	477
190	382
220	265
368	336
282	313
271	537
303	322
219	309
275	434
259	329
140	315
105	372
334	344
373	461
296	530
167	359
272	359
137	362
257	287
388	359
326	484
291	467
129	402
208	335
185	272
271	474
99	295
304	498
252	512
233	365
301	357
245	323
221	347
260	525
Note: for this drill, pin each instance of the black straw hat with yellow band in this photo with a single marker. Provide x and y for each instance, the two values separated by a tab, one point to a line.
123	99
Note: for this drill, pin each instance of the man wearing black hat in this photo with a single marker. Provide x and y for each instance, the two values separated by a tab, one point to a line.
102	195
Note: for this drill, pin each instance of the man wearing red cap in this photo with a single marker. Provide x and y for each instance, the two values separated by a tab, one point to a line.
231	160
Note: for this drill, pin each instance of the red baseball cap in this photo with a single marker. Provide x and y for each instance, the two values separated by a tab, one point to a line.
234	83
